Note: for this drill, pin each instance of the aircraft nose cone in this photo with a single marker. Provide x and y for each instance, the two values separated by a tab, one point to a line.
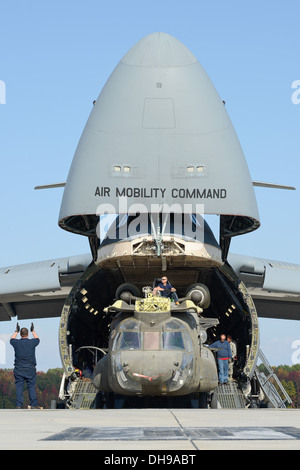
159	50
158	105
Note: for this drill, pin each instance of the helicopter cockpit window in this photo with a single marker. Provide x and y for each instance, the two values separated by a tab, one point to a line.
174	325
130	340
151	340
129	325
173	340
188	342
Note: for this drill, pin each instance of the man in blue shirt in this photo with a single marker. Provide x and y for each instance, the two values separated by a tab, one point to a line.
223	356
166	289
25	363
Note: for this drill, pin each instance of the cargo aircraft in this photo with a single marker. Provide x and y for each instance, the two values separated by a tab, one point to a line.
157	156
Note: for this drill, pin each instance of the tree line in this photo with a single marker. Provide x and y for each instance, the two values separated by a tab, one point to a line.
47	388
290	379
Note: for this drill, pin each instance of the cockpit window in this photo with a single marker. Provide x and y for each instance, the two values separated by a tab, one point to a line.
151	340
174	325
188	342
129	325
173	340
130	340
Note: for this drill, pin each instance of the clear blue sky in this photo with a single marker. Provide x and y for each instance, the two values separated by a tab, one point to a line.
55	58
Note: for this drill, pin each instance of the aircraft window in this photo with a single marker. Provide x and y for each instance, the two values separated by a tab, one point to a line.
129	325
151	340
191	364
174	325
116	339
200	168
130	340
173	340
188	342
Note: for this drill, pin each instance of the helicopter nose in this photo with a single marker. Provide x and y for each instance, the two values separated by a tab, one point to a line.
153	374
150	370
152	379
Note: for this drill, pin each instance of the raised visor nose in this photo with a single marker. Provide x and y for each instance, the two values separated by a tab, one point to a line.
158	105
159	50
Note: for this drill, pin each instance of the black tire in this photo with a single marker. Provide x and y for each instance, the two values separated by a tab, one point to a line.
205	302
203	400
127	287
214	401
99	401
110	400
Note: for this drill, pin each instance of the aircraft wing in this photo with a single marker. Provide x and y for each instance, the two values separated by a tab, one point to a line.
39	290
273	285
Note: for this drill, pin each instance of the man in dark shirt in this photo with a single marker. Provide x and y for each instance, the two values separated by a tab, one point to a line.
25	363
166	289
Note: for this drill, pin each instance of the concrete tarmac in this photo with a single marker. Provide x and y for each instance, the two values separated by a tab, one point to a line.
150	429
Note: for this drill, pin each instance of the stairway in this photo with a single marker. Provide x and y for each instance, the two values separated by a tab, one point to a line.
230	396
84	396
267	385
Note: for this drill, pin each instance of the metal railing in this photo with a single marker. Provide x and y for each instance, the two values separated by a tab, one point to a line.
267	384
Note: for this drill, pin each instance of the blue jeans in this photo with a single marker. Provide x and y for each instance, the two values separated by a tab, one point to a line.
223	370
28	376
172	295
